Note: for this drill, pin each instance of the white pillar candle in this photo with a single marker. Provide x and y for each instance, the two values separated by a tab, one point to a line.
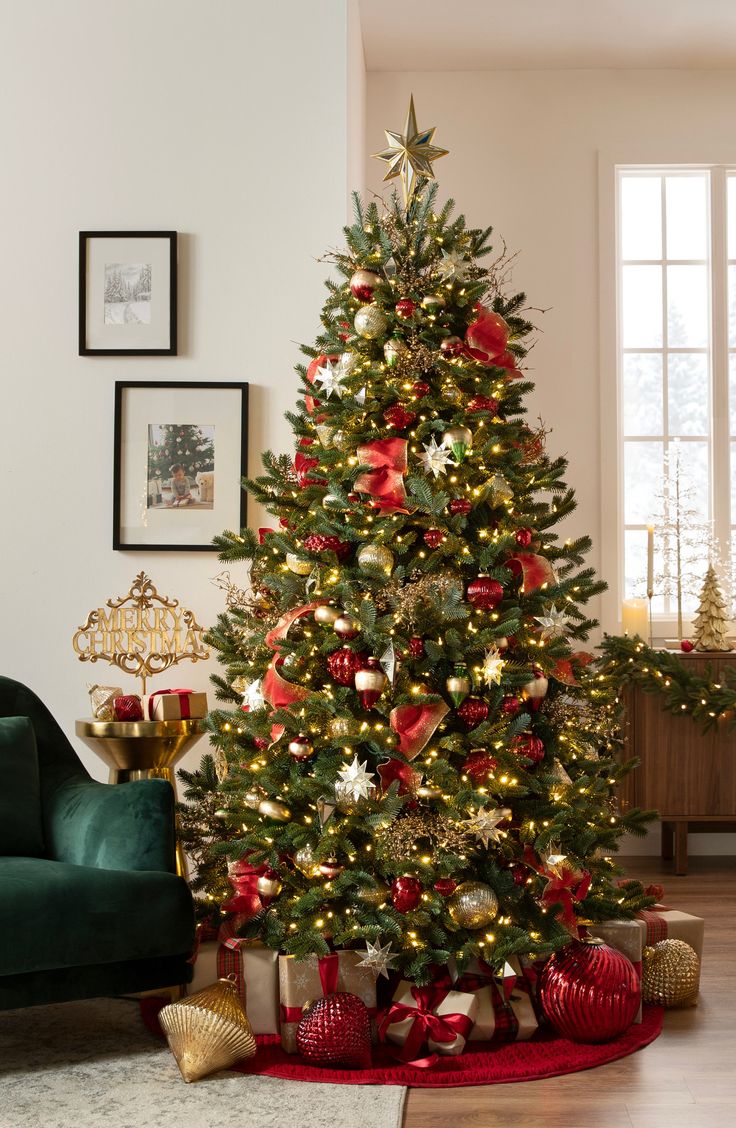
650	559
635	618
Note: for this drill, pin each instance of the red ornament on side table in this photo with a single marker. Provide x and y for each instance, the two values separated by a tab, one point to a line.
406	893
589	992
686	645
336	1031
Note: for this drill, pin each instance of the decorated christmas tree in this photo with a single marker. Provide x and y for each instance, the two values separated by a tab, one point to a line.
184	444
416	756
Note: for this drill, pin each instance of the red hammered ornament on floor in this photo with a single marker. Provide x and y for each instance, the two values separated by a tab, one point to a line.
589	992
336	1031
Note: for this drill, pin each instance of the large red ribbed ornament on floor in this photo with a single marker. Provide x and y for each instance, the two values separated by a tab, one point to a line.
589	992
336	1031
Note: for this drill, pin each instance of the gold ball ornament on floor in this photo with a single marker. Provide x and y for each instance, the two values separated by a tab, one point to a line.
376	556
473	905
208	1031
670	974
370	322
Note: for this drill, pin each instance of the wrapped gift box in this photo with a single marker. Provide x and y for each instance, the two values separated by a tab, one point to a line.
432	1019
255	970
505	1004
302	981
626	937
175	705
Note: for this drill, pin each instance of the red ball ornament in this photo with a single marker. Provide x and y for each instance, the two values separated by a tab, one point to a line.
344	664
486	338
420	389
485	593
406	893
405	308
416	647
589	992
261	743
451	346
445	886
523	537
479	765
336	1031
473	711
363	284
460	505
317	543
397	416
510	705
433	538
128	707
519	874
529	747
686	645
483	403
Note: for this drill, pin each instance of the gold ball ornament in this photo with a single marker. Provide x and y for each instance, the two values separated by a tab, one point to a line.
345	626
473	905
272	809
327	615
305	862
671	974
370	322
394	351
269	884
373	895
298	566
376	556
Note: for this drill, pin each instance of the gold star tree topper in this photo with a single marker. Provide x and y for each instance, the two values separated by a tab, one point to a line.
410	154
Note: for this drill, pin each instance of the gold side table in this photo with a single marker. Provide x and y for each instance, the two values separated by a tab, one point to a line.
142	750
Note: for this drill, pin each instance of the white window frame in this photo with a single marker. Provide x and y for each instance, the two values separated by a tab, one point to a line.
610	165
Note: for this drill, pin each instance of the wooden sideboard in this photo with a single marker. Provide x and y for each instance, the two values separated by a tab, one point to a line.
689	776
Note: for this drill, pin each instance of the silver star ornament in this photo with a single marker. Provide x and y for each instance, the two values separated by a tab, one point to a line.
377	958
435	459
329	379
554	623
493	665
484	824
253	697
356	781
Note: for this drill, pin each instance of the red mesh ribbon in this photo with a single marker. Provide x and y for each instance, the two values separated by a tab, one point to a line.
385	480
415	725
442	1028
183	695
279	692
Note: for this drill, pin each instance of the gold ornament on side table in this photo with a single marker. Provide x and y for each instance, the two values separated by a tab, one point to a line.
671	974
208	1031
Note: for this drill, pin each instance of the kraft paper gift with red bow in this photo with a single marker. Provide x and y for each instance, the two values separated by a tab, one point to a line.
255	970
175	705
425	1021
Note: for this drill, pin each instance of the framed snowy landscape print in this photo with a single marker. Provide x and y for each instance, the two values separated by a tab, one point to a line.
127	293
181	451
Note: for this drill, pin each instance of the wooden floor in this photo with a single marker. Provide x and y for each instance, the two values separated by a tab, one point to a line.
685	1079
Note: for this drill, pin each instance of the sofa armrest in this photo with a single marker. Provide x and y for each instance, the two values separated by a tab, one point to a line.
112	826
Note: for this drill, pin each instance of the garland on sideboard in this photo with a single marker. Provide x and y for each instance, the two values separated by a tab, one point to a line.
710	700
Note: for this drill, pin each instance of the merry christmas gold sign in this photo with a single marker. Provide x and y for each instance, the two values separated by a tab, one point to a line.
142	633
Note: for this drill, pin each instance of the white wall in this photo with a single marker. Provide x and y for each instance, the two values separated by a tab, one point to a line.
225	121
524	150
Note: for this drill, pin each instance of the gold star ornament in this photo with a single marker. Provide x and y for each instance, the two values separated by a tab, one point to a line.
410	154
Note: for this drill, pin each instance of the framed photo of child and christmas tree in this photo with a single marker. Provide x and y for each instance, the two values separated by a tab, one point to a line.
127	293
181	451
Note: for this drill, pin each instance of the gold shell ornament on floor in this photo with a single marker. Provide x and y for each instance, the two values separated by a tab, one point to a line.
671	974
208	1031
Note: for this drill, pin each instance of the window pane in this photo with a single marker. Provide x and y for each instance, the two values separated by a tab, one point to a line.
643	467
687	306
642	376
642	307
687	217
635	567
687	393
731	183
641	217
693	475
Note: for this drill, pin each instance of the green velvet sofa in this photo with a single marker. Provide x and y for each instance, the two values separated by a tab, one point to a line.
90	903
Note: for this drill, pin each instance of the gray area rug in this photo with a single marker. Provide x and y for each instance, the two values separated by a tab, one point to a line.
93	1064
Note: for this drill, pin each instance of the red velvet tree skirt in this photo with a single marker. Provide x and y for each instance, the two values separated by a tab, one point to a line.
483	1064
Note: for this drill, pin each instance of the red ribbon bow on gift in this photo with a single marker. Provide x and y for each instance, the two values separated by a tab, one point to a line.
183	701
385	480
442	1028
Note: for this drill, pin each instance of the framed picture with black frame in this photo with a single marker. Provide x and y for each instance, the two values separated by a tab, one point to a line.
180	453
127	293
